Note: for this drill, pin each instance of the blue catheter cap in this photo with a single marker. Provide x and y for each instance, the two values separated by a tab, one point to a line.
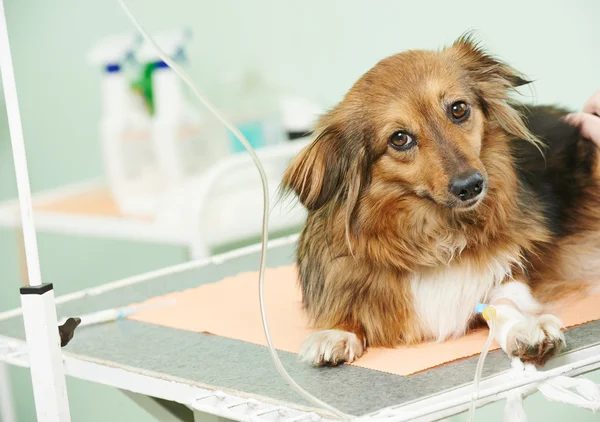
480	307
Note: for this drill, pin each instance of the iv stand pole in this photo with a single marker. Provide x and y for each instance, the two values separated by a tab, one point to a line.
37	299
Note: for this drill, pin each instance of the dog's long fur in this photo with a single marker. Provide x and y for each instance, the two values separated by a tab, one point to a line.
387	254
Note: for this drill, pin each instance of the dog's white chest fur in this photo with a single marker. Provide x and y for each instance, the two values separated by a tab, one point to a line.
445	299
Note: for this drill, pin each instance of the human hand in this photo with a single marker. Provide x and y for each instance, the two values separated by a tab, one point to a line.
588	120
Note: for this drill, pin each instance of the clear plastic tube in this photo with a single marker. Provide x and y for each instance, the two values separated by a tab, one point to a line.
490	315
265	218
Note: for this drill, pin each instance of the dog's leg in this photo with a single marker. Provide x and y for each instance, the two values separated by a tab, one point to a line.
521	330
332	347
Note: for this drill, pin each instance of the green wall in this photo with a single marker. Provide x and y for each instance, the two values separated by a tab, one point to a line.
314	48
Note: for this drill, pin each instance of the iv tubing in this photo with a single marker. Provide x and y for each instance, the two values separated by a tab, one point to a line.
489	313
265	218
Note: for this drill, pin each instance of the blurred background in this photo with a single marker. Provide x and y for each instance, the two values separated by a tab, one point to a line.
254	59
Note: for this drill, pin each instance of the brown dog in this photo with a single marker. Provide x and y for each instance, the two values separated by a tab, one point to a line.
428	192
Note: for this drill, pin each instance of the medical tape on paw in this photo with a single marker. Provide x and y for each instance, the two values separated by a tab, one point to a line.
506	318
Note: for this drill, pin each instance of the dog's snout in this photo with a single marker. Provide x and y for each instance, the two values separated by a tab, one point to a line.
467	186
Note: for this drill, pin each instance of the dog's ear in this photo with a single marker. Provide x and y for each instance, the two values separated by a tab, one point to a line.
494	82
332	168
486	68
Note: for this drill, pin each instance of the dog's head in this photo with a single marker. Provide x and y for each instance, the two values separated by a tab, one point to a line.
415	124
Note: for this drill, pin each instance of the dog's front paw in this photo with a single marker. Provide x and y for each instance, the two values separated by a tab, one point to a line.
536	339
331	347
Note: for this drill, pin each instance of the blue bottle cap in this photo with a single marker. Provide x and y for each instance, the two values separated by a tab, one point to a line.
112	68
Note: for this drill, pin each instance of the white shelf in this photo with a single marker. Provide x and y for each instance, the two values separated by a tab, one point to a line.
213	209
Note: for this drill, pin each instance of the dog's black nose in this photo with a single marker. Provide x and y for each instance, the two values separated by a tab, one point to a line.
467	186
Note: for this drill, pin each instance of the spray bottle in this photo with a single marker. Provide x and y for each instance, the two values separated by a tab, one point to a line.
185	142
128	154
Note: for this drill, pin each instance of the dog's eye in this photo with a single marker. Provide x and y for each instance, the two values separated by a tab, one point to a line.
459	111
402	141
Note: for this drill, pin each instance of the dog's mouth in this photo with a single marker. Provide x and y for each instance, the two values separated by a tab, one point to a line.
468	205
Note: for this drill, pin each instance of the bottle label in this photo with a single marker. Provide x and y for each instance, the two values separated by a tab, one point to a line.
138	154
191	148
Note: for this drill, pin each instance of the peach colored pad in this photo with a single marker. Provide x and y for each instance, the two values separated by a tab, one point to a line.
95	202
229	308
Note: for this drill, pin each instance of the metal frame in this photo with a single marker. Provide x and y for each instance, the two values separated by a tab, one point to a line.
233	405
201	399
492	389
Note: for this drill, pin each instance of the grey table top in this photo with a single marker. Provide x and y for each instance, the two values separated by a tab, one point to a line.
239	366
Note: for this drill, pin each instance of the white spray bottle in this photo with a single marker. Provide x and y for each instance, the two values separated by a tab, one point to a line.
185	142
129	158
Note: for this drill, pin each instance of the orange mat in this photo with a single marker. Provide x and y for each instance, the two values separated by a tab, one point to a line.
230	308
96	202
